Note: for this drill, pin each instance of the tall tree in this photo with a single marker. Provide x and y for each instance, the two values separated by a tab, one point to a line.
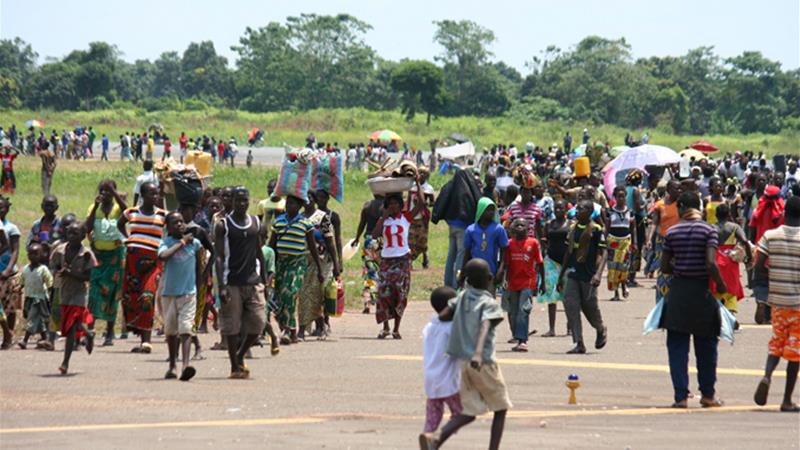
751	96
465	54
419	84
205	74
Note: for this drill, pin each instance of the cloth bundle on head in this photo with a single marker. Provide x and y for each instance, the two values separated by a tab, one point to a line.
769	212
525	177
634	177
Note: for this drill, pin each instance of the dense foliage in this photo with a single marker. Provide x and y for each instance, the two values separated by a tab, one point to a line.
315	61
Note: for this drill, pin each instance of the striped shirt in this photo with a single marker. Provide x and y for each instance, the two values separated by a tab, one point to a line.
291	234
532	213
145	231
782	246
688	241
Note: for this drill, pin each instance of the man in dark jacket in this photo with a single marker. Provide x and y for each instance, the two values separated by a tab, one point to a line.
456	204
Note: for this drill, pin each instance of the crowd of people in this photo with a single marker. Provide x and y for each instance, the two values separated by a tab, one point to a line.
524	226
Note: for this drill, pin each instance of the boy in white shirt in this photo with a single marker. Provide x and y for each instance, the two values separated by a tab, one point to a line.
441	371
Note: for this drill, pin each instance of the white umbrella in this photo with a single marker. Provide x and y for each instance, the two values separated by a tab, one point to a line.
644	155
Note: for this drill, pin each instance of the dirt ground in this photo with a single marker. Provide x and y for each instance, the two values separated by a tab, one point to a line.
354	391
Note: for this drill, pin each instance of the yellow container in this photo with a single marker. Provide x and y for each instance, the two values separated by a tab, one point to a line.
582	167
201	161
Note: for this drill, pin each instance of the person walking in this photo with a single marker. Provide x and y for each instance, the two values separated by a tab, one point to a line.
690	311
782	247
242	280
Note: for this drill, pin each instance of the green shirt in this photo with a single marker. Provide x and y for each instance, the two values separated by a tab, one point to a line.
269	258
472	307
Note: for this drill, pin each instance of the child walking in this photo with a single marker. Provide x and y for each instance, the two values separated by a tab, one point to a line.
522	262
180	252
442	376
475	315
35	282
778	258
72	264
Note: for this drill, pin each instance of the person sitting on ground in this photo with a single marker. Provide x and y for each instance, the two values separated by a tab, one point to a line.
475	315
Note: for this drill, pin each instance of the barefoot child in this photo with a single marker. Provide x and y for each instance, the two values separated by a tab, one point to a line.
475	315
55	293
269	268
442	376
180	252
35	281
782	247
72	264
523	260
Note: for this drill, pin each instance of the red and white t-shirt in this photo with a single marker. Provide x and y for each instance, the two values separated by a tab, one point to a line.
395	236
522	256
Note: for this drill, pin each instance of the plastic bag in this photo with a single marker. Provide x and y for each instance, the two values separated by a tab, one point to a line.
727	324
295	179
653	319
327	173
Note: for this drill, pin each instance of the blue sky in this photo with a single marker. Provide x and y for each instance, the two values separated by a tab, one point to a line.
403	29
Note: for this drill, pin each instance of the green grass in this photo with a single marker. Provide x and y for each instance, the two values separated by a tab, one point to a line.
75	184
353	125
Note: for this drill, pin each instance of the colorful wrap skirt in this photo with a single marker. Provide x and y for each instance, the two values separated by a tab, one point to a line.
139	289
395	276
289	271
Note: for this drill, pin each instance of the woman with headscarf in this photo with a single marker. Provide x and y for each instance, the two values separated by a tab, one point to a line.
767	215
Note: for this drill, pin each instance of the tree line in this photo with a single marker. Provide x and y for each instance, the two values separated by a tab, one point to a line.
317	61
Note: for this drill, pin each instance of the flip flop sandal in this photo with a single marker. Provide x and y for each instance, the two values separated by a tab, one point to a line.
762	392
62	370
198	357
383	334
790	408
188	373
237	375
218	346
549	334
170	375
396	335
274	351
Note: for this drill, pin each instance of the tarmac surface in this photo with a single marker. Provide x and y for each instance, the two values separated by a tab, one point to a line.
354	391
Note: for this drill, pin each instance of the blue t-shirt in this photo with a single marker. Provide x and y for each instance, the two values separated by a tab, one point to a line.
105	142
486	243
179	276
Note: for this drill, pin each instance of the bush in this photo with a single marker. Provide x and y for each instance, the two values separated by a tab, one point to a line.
122	105
162	104
195	104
